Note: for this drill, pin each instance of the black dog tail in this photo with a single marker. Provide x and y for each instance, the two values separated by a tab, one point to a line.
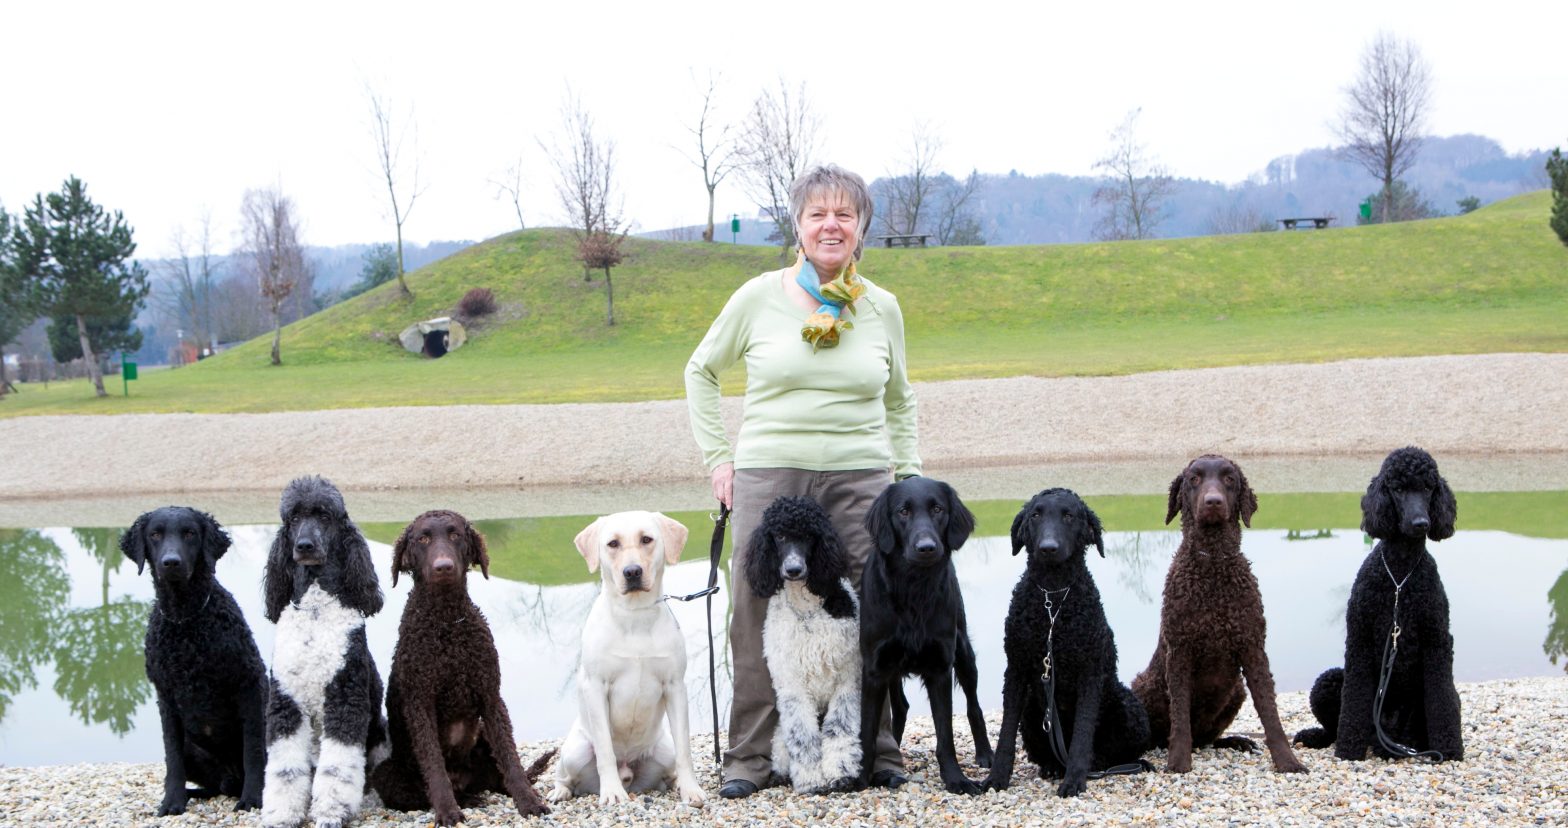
1313	737
1324	701
540	764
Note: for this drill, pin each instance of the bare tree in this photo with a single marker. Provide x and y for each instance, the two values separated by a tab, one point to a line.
1136	188
955	222
777	143
585	176
716	151
911	189
509	182
189	280
1241	216
273	252
1384	117
394	170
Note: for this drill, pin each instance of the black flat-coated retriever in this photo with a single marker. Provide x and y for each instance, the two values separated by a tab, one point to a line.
912	620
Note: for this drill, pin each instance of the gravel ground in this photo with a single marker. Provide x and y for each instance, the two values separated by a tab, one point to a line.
1515	773
1107	430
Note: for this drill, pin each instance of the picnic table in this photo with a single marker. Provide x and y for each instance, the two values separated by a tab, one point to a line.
1317	222
905	240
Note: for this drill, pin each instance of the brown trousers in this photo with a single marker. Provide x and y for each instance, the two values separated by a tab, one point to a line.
846	496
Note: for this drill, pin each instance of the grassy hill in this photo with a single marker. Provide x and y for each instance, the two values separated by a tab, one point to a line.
1495	280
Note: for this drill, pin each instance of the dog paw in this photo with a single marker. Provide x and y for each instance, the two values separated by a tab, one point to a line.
996	781
1178	764
445	815
1073	785
1236	743
985	759
1289	764
559	793
531	807
612	796
250	802
173	804
963	785
691	794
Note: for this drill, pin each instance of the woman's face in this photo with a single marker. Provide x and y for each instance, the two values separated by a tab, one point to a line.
829	232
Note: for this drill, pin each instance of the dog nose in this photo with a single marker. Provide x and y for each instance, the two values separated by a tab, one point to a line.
304	547
1421	523
794	571
633	572
444	565
925	546
1212	499
169	561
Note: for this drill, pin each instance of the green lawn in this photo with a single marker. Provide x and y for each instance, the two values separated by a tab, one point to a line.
1495	280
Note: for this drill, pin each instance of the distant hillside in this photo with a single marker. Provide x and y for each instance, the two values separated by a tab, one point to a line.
1057	209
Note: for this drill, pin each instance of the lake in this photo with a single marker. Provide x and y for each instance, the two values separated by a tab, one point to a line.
73	610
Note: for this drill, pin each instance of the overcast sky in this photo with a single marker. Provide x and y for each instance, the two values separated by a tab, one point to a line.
168	109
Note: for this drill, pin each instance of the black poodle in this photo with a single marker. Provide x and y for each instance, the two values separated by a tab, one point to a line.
1406	504
202	661
912	621
325	730
810	639
1057	624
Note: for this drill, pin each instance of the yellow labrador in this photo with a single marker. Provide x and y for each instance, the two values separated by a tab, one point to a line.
633	669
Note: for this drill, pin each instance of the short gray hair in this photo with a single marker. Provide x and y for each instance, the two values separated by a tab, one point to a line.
827	178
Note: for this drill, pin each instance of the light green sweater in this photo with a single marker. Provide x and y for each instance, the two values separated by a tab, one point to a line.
849	407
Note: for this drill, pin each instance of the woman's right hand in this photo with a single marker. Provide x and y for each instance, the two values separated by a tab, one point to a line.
724	484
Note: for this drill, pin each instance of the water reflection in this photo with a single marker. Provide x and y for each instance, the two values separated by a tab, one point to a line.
73	611
33	593
1556	645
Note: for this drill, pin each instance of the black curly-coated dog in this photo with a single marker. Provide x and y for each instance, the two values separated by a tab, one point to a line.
325	730
912	620
1406	504
1056	602
202	661
811	640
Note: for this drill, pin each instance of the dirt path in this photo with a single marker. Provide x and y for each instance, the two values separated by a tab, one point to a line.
1464	406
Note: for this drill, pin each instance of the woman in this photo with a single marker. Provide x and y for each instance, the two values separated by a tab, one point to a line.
829	412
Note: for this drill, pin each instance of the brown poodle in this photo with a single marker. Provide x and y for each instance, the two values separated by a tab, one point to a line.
1211	625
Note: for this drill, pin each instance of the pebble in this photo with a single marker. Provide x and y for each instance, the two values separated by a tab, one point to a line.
1515	772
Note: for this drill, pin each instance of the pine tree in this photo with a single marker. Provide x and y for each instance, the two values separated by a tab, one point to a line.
1557	170
76	261
16	307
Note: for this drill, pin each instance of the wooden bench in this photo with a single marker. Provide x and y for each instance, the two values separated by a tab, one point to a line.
906	240
1317	222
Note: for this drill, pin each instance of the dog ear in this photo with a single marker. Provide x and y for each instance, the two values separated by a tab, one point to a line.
400	553
361	588
675	534
588	544
1246	500
1379	513
479	553
1443	511
960	521
215	541
278	582
133	542
879	522
1020	520
828	565
1174	504
762	563
1096	531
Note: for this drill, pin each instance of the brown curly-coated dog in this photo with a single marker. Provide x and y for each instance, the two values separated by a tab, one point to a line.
1211	625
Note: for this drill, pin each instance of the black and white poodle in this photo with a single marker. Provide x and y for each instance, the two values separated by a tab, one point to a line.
1406	504
202	661
1060	650
325	730
811	641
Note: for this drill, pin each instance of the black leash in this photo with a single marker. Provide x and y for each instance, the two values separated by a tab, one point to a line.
1053	723
714	551
1386	672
